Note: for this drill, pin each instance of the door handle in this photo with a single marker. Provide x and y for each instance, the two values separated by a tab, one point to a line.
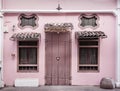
57	58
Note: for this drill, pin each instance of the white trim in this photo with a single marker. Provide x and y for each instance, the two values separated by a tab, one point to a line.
0	4
56	11
118	44
1	46
1	15
118	50
1	50
118	3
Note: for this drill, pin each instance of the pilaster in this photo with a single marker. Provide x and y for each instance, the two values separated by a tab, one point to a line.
1	46
1	49
118	44
118	3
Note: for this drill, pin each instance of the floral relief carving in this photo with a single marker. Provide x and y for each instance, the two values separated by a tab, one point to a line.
58	27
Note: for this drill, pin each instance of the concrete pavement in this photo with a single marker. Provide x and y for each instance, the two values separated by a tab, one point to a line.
57	88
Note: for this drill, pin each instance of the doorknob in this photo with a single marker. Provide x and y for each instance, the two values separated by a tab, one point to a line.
57	58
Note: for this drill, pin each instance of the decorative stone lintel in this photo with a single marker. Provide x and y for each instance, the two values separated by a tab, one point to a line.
58	27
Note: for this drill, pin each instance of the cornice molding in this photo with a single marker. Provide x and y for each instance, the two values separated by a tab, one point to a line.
55	11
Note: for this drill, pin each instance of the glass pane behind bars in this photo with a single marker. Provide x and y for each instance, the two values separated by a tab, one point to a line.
88	55
27	55
28	43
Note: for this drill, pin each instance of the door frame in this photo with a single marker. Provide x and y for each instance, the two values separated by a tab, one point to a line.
70	57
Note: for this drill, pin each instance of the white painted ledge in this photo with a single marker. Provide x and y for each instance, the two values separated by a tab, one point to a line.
117	84
55	11
27	82
1	84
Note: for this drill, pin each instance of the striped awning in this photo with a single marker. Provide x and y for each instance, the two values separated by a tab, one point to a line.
58	27
90	34
25	36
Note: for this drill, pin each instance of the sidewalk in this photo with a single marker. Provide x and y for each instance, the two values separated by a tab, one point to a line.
57	88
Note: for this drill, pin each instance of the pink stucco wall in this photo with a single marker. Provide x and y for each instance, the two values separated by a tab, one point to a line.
65	4
107	49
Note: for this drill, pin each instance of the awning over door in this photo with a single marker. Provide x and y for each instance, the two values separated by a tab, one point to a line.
58	27
25	36
90	34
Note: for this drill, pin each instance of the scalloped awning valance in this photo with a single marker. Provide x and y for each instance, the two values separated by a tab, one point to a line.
90	34
58	27
25	36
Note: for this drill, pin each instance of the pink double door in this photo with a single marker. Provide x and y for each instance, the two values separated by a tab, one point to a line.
58	58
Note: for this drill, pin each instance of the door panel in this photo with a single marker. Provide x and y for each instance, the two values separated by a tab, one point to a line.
58	58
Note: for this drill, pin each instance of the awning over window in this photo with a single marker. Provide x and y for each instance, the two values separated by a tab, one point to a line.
90	34
58	27
25	36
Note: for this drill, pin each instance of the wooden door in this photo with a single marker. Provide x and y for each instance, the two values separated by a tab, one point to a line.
58	56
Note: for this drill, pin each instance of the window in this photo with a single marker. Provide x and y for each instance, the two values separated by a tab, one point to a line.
88	54
88	21
27	52
28	21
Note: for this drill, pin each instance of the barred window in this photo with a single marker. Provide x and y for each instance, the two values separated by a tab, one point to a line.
88	21
28	21
88	55
27	55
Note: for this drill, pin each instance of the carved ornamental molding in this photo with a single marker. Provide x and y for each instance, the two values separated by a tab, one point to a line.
90	34
58	27
25	36
28	20
88	21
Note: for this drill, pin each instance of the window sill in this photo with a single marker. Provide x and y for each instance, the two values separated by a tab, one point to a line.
27	71
88	71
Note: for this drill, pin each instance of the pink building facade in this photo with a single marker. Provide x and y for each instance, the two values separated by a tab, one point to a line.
59	58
